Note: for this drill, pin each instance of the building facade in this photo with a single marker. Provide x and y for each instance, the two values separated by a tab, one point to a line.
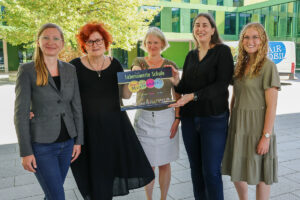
281	19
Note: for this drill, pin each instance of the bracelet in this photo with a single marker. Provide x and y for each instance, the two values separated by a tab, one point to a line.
177	118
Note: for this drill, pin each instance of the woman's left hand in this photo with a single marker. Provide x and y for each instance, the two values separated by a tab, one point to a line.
183	100
263	146
76	152
174	128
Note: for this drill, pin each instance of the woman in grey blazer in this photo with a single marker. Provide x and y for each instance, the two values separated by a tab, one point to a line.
52	139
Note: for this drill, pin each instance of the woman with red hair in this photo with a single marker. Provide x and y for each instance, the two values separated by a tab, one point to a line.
112	160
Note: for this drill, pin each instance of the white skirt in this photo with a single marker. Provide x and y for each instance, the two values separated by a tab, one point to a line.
153	130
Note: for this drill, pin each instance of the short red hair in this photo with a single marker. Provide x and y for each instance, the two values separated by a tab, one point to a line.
89	28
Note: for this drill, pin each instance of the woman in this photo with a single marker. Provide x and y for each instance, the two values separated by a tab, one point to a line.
250	155
112	160
207	72
49	88
157	127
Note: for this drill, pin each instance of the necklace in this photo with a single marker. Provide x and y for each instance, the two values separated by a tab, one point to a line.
155	64
98	71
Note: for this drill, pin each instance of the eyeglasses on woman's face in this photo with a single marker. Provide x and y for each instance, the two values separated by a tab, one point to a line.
97	42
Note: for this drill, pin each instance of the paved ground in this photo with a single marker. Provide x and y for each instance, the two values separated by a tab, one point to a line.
16	183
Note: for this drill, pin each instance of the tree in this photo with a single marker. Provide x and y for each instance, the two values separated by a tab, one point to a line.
127	19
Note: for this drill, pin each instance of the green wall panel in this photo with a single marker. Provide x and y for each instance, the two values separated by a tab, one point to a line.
13	57
131	56
185	26
177	52
220	21
166	20
212	2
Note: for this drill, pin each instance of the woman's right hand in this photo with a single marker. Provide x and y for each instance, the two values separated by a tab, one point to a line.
175	75
136	68
31	115
29	163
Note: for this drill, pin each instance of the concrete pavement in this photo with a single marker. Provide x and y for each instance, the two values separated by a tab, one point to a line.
17	184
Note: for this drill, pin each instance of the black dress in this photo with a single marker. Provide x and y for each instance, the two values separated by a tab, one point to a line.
112	160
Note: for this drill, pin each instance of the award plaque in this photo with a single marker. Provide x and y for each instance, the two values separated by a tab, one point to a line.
150	88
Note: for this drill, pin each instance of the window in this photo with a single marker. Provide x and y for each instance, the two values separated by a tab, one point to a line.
230	23
220	2
204	2
289	27
275	26
262	19
186	1
1	56
193	14
156	21
213	14
176	20
244	18
238	3
140	52
122	56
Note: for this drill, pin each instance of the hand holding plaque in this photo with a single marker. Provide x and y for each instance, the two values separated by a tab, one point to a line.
150	88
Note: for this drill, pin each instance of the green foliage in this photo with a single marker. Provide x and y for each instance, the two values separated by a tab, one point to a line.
126	19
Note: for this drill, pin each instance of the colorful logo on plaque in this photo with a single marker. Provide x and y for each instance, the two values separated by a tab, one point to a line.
142	84
134	86
158	83
150	83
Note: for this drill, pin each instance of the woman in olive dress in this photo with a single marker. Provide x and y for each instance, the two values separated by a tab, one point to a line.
250	156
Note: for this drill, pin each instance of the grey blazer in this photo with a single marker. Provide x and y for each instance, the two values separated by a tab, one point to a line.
49	105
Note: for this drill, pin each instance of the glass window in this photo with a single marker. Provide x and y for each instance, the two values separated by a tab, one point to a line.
230	22
289	27
212	13
156	21
193	14
122	56
176	20
220	2
186	1
275	26
244	19
204	2
298	20
140	52
238	3
264	12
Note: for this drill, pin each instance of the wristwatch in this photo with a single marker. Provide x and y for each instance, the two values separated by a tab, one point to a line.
267	135
195	96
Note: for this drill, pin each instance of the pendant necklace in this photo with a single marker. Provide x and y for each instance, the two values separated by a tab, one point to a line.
98	71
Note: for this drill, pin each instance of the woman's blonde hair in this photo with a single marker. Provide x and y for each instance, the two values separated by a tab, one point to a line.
39	63
158	33
261	55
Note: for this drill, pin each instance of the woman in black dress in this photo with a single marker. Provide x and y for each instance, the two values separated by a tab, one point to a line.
112	160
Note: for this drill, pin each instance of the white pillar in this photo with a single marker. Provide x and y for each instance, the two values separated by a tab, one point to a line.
5	55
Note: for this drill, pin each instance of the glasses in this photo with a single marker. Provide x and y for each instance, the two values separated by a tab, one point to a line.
47	39
255	38
98	42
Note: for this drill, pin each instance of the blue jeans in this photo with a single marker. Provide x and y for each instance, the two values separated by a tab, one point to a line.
204	139
53	161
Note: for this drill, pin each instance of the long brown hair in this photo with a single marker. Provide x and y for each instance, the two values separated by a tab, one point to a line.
39	63
215	38
261	55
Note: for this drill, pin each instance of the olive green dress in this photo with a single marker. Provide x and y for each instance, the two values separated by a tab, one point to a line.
240	160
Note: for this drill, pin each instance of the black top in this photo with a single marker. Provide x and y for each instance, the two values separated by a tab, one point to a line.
112	160
209	78
63	136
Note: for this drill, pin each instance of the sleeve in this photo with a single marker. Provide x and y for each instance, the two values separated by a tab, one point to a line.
224	75
136	62
77	111
22	111
271	76
180	88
